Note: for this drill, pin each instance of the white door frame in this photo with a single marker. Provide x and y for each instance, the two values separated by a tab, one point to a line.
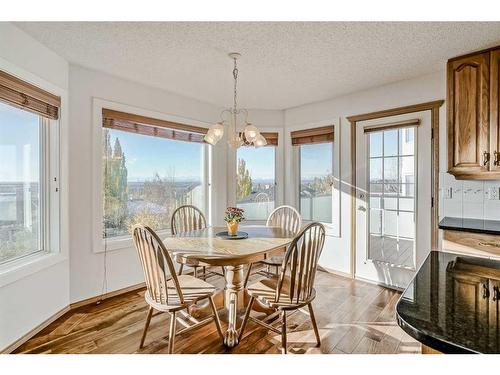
433	107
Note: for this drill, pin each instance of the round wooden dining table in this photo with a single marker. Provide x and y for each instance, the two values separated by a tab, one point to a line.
204	246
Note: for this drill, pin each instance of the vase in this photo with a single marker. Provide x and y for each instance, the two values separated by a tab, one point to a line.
232	228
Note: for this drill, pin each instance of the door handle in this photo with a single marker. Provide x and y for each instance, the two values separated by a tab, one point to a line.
486	158
496	160
496	293
486	292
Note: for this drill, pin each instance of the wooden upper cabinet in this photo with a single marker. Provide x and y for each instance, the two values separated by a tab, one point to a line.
495	110
468	115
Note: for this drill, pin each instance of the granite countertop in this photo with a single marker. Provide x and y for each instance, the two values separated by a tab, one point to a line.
470	225
452	305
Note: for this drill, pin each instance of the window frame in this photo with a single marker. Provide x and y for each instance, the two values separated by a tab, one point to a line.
50	209
382	196
263	221
333	229
299	175
99	243
278	174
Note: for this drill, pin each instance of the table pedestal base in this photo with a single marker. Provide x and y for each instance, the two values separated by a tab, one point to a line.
233	301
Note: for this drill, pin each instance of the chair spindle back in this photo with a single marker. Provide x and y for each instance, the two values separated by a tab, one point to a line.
156	262
298	270
187	218
285	217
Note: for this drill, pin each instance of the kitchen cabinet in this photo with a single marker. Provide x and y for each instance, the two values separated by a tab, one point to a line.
473	115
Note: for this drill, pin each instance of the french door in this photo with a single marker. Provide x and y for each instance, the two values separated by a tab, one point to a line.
393	202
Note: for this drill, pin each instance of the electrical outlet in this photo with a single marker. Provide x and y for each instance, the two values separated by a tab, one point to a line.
493	193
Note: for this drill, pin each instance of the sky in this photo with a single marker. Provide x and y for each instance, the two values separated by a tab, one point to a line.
146	155
316	160
259	161
19	152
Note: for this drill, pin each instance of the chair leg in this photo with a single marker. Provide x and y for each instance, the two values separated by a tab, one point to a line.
247	275
171	335
216	317
181	268
223	271
245	319
283	332
146	326
204	273
315	326
195	271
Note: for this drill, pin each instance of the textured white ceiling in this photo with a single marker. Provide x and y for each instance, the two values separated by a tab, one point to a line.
284	64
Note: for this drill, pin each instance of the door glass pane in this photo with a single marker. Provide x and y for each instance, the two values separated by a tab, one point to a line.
255	189
391	199
376	170
376	145
390	170
390	142
20	183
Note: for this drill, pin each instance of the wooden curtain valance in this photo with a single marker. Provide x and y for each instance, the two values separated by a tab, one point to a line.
28	97
271	138
392	125
309	136
151	126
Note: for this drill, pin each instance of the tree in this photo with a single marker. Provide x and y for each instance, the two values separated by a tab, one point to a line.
115	184
323	185
244	181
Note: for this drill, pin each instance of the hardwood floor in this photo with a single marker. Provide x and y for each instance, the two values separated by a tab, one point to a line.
352	316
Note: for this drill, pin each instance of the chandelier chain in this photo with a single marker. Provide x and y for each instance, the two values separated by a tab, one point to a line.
235	75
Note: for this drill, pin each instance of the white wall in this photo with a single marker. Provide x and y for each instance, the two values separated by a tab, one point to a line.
86	266
336	254
32	293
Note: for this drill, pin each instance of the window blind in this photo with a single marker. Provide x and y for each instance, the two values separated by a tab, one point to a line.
26	96
271	138
322	134
151	126
392	125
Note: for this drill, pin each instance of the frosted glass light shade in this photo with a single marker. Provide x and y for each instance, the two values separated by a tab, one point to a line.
235	142
218	130
251	132
211	138
260	141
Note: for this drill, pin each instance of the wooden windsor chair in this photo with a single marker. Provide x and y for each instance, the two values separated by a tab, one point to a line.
166	291
294	287
187	218
285	217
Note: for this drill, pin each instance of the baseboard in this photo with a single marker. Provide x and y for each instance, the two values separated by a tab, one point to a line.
333	272
105	296
34	331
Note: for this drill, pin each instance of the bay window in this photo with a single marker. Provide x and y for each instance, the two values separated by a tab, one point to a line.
256	179
28	167
148	170
315	150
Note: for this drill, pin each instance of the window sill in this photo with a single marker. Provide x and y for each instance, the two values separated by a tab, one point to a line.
19	269
121	243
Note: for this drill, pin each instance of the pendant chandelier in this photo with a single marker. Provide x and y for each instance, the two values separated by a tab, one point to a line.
250	136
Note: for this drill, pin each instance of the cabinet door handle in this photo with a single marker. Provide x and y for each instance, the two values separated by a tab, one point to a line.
496	293
496	160
486	292
486	158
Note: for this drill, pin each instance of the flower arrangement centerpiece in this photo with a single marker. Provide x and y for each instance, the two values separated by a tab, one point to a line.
233	217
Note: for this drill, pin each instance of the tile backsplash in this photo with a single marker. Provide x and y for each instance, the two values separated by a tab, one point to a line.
469	199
